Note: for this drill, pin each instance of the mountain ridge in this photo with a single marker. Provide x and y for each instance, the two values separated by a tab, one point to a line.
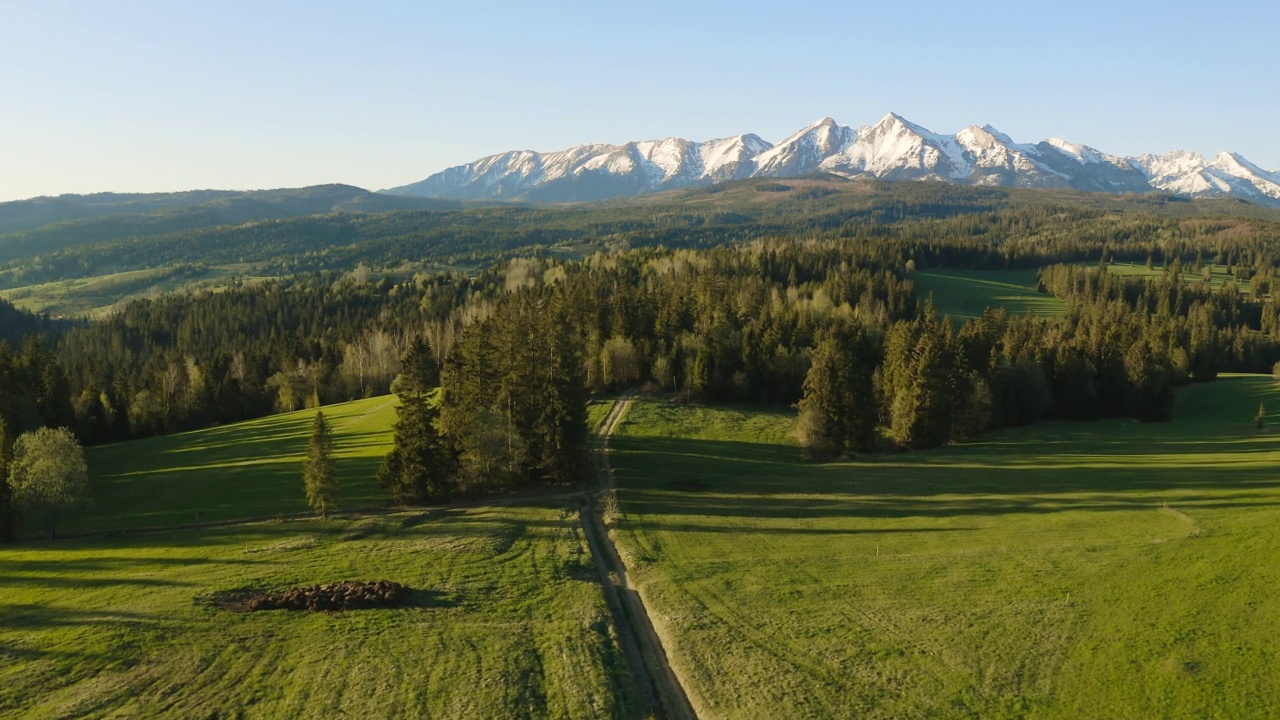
893	149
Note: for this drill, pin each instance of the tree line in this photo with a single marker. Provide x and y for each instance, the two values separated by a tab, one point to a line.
832	324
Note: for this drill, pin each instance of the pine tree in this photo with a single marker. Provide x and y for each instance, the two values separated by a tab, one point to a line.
562	422
821	421
318	472
838	410
1260	419
1151	381
925	385
420	466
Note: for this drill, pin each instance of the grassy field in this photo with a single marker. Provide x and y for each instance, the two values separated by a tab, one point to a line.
99	296
964	294
507	622
1189	274
1065	570
249	469
508	618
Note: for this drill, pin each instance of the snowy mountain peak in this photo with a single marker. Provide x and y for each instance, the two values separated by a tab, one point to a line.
827	121
1244	178
894	148
1239	164
983	137
805	150
895	123
1083	153
997	134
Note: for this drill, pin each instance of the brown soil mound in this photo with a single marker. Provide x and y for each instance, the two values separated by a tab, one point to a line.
345	595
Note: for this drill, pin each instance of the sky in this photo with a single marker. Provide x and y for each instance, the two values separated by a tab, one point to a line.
164	96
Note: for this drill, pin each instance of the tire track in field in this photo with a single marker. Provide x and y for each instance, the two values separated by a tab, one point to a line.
933	663
660	688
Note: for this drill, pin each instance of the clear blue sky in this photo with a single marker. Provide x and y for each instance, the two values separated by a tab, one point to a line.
152	96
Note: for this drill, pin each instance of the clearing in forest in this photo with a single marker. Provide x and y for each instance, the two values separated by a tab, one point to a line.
964	294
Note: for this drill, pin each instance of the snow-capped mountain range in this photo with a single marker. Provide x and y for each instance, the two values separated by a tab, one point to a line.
892	149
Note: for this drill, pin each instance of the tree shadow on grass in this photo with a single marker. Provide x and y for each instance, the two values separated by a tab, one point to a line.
184	496
1083	471
433	599
17	616
109	564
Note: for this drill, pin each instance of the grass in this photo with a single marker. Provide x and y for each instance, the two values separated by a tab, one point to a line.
964	294
597	411
507	619
1062	570
1189	275
249	469
506	622
101	295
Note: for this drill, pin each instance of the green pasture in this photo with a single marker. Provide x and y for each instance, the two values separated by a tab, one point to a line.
245	470
1064	570
1220	278
507	621
964	294
98	296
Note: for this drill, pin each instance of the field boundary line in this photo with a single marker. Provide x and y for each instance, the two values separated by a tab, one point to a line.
659	685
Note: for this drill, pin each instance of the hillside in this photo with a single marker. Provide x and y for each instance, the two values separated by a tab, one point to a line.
44	225
733	212
245	470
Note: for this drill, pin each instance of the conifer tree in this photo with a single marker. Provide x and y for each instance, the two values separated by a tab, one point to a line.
319	476
1152	382
838	410
420	466
821	421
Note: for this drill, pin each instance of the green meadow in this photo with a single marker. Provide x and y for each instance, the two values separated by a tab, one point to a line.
964	294
1219	277
507	617
507	620
1063	570
245	470
100	295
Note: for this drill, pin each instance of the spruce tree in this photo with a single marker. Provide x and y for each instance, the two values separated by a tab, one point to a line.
822	421
318	473
838	410
1151	397
420	466
562	420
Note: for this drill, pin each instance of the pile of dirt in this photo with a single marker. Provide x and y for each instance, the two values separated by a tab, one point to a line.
345	595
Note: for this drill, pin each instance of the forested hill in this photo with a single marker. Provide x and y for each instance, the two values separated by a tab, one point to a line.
47	224
735	212
16	325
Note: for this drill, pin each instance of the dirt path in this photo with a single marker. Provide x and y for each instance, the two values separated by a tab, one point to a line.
660	689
